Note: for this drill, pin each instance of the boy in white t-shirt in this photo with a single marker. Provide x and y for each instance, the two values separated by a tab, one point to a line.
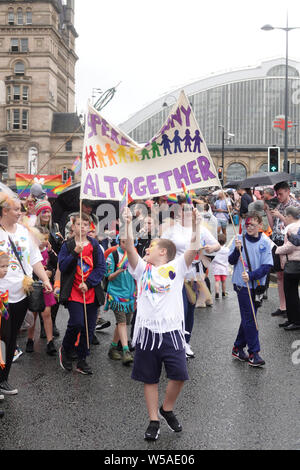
159	326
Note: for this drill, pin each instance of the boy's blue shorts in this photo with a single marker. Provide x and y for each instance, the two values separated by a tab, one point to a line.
148	363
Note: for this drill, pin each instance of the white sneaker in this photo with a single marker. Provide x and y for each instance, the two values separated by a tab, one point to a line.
1	397
188	351
18	352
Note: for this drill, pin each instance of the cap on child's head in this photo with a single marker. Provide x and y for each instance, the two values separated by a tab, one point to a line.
37	191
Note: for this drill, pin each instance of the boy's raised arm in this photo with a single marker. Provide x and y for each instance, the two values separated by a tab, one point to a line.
191	253
132	255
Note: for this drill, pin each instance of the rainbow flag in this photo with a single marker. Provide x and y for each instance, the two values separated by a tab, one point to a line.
124	262
186	193
172	198
48	182
63	186
76	167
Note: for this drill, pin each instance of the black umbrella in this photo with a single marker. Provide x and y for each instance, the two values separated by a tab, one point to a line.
68	201
265	179
233	184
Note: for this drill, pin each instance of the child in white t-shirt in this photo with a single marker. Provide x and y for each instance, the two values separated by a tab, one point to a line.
159	327
219	267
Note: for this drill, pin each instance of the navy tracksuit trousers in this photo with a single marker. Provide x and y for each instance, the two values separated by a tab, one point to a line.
76	328
247	334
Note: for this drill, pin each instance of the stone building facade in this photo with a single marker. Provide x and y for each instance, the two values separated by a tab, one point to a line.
37	88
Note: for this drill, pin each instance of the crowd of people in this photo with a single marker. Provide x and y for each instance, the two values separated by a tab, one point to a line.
151	266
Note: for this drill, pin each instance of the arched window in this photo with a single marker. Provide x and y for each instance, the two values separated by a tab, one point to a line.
279	71
33	160
19	68
263	168
28	16
11	16
293	169
19	16
236	171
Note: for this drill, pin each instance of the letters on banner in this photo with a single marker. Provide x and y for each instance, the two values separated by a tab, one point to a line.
176	154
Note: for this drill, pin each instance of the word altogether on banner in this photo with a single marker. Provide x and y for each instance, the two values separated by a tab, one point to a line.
176	154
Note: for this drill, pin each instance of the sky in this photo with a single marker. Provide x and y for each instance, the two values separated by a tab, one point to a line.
151	47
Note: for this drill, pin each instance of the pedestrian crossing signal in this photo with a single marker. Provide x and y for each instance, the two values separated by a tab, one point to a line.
273	159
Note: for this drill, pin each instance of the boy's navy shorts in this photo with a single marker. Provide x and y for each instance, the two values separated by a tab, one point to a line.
148	363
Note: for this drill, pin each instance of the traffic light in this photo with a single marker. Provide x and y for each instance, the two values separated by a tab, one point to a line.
64	175
273	159
71	175
220	173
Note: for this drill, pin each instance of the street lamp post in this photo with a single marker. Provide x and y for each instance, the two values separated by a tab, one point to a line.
295	125
223	147
269	27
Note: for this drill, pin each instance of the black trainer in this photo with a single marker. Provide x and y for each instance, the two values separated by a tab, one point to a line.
29	346
51	349
83	367
152	431
170	419
101	324
64	360
7	389
56	332
286	323
278	313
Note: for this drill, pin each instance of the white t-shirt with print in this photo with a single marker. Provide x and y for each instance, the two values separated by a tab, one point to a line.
159	297
181	237
29	254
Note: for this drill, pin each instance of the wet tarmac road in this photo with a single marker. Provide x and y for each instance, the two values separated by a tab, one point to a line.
225	405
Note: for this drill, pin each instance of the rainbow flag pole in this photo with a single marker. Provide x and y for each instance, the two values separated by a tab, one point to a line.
123	202
126	199
186	193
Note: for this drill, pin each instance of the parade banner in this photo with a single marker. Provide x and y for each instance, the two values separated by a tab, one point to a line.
48	182
176	154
